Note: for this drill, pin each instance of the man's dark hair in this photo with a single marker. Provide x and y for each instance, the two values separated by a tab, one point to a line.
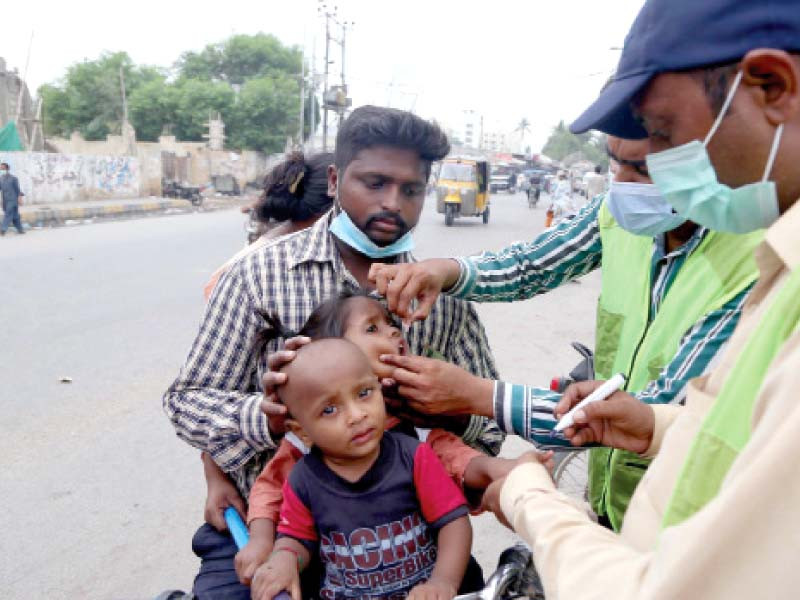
4	164
716	80
598	169
370	126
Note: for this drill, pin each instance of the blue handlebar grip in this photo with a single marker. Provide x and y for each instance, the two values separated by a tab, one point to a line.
237	527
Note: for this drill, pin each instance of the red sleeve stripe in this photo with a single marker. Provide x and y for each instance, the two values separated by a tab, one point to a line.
438	495
296	519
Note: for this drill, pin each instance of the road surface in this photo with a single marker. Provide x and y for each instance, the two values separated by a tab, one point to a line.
100	498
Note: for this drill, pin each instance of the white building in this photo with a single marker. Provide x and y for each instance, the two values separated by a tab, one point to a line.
469	129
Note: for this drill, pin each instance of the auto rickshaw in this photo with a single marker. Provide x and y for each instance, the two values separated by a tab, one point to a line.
462	189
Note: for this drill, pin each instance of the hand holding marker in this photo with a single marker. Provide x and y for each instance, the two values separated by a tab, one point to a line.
601	393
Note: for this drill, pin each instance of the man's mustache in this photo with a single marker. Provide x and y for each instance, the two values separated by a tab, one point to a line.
387	216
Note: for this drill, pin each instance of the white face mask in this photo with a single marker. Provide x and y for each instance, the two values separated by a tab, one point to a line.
640	209
688	181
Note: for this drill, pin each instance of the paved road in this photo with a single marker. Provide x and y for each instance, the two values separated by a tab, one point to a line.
100	499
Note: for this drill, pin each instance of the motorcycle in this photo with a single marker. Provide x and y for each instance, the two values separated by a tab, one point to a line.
174	189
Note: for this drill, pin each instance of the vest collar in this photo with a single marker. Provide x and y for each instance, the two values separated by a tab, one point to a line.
782	240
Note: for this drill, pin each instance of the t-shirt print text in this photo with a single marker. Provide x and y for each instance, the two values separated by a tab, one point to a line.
377	561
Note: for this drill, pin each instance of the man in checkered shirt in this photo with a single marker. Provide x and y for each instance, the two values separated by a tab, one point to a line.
382	163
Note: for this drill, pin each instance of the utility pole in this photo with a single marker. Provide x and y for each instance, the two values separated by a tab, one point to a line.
340	95
302	98
23	81
325	83
344	85
124	97
313	116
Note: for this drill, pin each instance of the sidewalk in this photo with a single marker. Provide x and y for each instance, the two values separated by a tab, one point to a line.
53	215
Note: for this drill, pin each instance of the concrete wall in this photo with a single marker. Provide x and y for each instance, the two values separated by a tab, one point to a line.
48	178
204	163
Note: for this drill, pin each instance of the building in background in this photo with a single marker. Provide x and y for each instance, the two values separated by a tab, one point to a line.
17	106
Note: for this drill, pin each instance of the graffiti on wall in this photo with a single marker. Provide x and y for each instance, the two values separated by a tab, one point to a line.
51	178
114	173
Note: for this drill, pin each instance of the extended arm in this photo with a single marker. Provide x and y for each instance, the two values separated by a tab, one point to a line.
517	272
523	270
528	411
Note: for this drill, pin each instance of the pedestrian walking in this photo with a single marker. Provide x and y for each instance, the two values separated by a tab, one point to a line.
12	198
562	205
595	183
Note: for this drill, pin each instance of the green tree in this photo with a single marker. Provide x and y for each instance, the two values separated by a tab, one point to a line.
89	98
153	106
195	101
267	111
239	58
262	72
563	143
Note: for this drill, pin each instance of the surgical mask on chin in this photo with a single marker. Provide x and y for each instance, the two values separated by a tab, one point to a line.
688	181
640	209
342	227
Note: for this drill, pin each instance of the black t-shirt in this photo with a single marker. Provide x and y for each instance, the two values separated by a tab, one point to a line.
375	537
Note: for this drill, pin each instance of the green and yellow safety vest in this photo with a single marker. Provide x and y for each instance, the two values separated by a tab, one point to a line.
627	341
726	428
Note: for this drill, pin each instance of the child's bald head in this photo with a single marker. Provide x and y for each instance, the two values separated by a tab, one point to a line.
334	399
317	365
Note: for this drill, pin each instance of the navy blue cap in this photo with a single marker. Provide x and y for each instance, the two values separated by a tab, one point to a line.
674	35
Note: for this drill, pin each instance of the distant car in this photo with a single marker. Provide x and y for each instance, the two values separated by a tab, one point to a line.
501	179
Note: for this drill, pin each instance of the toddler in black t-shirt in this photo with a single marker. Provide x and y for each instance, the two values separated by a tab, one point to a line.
378	507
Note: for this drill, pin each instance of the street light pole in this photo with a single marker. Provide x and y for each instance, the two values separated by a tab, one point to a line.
325	83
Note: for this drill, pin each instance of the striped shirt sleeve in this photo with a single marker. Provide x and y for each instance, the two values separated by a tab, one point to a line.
696	353
528	411
473	353
523	270
214	404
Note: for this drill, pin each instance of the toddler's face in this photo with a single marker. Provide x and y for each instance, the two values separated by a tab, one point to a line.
370	327
335	400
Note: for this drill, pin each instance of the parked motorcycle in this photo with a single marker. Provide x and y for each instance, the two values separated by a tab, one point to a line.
174	189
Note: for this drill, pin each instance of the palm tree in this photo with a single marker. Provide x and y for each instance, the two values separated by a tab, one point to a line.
523	127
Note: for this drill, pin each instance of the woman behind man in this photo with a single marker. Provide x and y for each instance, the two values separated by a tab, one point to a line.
295	195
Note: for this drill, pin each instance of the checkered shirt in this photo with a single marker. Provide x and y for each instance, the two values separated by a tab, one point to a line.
214	404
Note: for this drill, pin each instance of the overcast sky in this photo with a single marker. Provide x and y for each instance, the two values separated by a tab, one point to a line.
542	60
